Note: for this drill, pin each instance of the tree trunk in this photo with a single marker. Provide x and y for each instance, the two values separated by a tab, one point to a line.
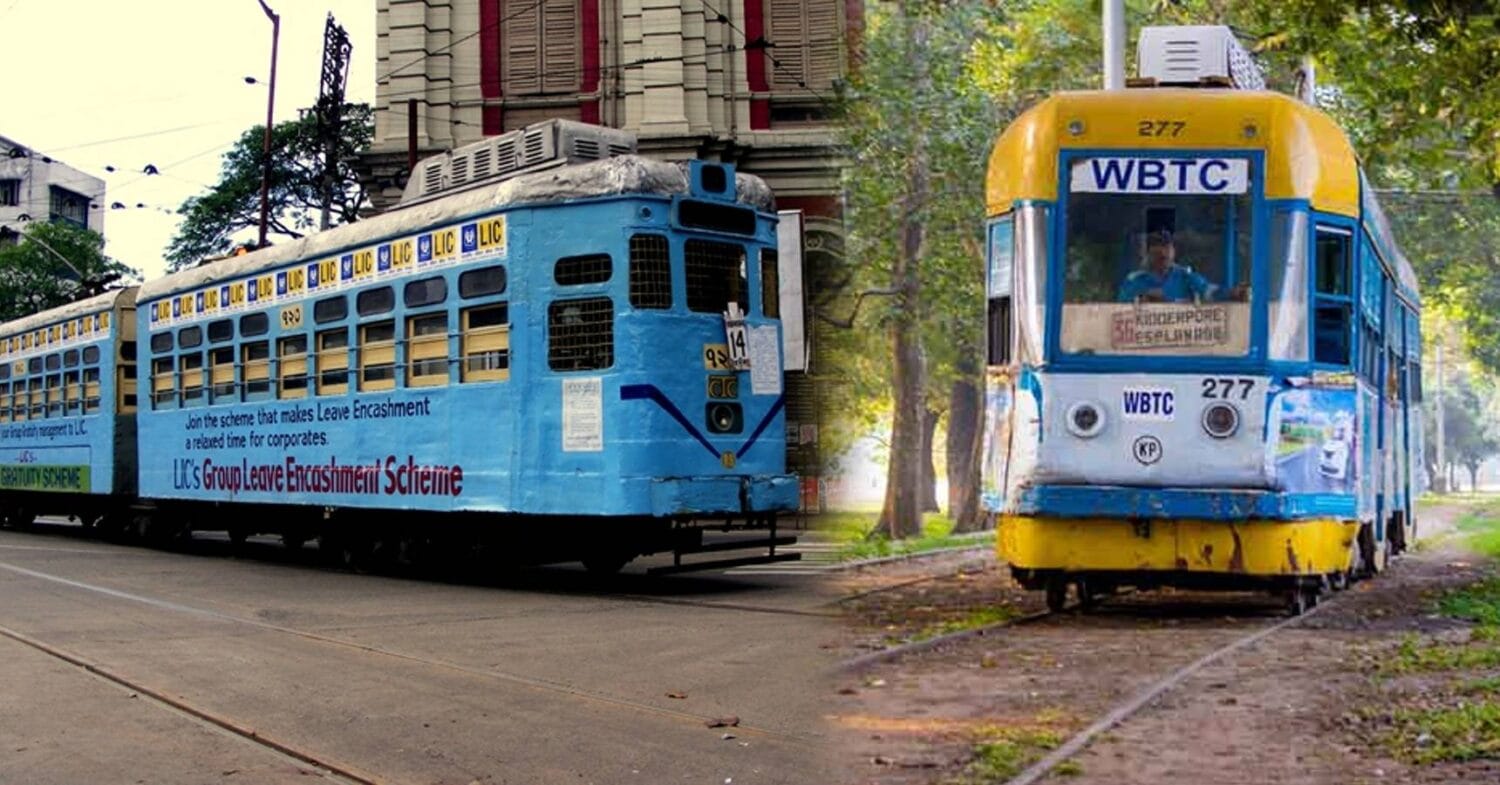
929	468
1473	477
902	514
965	444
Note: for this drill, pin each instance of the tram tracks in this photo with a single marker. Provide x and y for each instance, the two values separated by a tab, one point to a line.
490	674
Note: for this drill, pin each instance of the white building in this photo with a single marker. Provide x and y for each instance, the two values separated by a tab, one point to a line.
34	187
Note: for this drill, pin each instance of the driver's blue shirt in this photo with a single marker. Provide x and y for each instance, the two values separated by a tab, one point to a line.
1180	284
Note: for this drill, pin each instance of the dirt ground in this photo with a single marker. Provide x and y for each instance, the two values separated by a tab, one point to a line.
1303	705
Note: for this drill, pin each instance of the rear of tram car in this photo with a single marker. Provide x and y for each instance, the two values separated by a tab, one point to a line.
1203	421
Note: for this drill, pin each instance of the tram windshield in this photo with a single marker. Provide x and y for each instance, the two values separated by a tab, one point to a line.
1157	274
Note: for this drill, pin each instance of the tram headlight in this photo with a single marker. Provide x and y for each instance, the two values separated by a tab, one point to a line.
1085	420
725	418
1221	420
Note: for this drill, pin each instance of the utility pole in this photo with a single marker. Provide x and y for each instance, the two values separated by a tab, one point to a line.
1442	466
1114	44
336	49
265	172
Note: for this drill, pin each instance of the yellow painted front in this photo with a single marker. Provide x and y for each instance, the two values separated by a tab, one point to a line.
1256	547
1307	156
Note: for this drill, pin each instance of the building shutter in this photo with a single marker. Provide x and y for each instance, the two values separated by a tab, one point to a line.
805	43
542	44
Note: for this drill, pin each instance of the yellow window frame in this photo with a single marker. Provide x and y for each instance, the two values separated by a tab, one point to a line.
333	359
292	365
476	342
377	355
427	353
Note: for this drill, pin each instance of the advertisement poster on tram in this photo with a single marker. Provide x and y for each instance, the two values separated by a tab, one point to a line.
1315	442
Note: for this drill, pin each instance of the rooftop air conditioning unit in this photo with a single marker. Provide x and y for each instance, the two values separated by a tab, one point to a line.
535	148
1202	55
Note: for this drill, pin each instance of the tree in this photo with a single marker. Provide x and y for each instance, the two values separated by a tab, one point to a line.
232	205
54	264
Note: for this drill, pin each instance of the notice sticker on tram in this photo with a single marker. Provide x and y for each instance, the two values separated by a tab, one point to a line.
1127	175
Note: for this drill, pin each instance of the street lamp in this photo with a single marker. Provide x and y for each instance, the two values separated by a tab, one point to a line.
265	172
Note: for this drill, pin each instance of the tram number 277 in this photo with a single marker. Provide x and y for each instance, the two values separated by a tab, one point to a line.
1226	388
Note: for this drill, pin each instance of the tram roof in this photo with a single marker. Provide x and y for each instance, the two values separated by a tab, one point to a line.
62	313
620	175
1307	155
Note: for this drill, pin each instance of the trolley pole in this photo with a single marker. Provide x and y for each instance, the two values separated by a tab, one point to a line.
265	172
1114	44
1442	466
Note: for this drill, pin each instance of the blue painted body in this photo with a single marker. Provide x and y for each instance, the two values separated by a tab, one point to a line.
499	446
67	449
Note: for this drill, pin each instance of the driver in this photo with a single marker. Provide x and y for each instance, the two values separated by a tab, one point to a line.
1162	279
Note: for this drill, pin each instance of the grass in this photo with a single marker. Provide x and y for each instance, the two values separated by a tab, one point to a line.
1002	752
973	620
1467	731
1477	602
1480	528
852	531
1413	656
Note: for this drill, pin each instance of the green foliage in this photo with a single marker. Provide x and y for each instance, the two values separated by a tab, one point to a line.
1478	603
1471	403
210	220
1415	656
857	538
1001	753
1467	731
54	264
1481	530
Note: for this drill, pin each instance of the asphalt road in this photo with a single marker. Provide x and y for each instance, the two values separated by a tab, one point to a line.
122	665
1303	465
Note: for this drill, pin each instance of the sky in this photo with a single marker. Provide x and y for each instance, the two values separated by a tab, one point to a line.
96	83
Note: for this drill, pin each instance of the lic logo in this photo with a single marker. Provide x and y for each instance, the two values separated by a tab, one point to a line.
470	238
424	248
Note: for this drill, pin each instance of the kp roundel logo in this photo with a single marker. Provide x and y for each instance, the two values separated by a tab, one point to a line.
1147	450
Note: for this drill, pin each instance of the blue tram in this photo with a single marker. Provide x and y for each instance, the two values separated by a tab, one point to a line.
1204	351
579	360
67	403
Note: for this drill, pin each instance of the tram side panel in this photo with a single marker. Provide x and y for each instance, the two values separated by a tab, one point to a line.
554	399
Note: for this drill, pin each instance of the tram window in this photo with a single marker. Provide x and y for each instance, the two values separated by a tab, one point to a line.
257	363
221	331
581	334
221	372
163	380
190	376
253	324
330	309
70	358
37	399
54	394
715	276
333	362
427	291
1155	274
483	281
292	367
650	272
188	337
34	365
53	361
998	351
4	371
91	355
377	356
427	349
575	270
4	401
18	400
1333	307
372	302
161	343
486	343
90	390
71	391
770	296
1414	381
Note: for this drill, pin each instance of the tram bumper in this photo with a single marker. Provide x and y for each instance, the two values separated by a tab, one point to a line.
724	495
1250	547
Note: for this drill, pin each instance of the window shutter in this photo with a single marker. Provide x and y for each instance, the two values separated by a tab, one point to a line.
788	55
520	35
562	63
805	38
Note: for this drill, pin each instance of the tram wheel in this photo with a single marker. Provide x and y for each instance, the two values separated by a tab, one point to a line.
1301	600
605	563
1089	594
1057	594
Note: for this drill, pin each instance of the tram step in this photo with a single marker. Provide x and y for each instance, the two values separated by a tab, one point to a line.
723	564
734	545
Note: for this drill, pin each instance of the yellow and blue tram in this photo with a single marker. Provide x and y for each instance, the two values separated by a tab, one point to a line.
1204	348
579	362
